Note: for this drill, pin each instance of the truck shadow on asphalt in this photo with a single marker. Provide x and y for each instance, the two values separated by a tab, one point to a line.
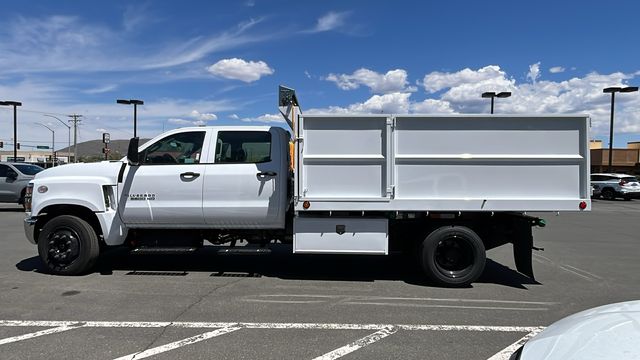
281	265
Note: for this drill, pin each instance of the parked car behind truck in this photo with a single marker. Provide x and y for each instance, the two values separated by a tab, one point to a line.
14	178
612	186
441	188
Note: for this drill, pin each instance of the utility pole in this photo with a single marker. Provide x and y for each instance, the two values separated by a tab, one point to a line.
76	119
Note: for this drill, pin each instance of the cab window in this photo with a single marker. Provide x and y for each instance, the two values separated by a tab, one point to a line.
180	148
237	147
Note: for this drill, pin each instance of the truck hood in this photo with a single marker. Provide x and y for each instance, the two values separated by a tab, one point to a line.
107	170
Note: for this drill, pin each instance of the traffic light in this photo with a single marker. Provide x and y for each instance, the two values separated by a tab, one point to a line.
1	144
17	146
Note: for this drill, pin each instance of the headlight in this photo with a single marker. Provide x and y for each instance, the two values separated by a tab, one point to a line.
28	194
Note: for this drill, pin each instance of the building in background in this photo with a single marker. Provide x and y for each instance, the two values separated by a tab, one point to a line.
624	161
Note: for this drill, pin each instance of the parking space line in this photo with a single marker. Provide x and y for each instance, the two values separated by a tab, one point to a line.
568	268
584	272
384	298
178	344
358	344
445	306
506	353
575	273
38	333
251	325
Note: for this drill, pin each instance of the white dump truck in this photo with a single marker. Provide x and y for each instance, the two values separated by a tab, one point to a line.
443	189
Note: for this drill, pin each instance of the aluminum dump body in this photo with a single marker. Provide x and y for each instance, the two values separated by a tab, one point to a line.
442	163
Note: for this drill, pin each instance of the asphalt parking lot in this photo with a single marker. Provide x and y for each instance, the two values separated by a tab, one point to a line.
283	306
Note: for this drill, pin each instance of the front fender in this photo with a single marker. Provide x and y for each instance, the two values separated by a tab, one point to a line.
86	194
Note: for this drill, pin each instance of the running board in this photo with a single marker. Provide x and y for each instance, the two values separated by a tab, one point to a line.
163	250
244	251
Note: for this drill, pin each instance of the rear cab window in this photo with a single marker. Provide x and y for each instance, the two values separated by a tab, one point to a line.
243	147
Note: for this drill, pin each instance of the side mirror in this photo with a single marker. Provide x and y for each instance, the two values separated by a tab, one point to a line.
12	175
132	153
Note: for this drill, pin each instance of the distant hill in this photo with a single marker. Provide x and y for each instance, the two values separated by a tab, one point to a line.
92	150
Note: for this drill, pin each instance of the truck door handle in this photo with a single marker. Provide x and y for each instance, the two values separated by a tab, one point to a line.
267	173
189	175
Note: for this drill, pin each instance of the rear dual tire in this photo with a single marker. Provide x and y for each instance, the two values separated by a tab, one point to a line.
452	256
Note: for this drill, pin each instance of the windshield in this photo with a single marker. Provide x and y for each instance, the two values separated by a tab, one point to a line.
629	179
28	169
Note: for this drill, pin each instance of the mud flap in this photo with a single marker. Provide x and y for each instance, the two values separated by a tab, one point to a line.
523	246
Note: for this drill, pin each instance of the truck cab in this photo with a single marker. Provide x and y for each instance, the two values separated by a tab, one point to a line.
208	177
184	183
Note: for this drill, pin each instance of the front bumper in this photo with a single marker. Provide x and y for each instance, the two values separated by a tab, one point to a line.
630	194
29	227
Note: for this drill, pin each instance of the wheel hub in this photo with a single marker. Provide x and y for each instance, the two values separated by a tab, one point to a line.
64	246
453	256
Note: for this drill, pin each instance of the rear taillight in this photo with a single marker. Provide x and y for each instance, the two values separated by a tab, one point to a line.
27	198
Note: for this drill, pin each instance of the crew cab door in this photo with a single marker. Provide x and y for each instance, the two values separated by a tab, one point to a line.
245	187
165	190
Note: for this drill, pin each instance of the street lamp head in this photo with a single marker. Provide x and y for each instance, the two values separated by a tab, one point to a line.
11	103
611	89
504	94
629	89
488	94
130	102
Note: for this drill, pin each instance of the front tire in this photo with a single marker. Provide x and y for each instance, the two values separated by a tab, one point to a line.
452	256
68	245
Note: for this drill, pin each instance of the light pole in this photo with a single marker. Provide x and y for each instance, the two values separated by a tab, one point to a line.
15	126
613	90
492	95
53	142
135	111
69	143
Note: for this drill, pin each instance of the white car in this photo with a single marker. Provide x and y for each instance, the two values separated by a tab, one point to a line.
611	186
606	332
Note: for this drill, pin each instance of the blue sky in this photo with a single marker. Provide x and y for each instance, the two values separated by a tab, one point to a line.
215	62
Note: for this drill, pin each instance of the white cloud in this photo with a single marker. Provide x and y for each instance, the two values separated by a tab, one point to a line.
534	72
436	81
556	69
239	69
101	89
330	21
43	44
102	130
432	106
178	121
135	16
392	81
234	117
393	103
203	116
266	118
459	92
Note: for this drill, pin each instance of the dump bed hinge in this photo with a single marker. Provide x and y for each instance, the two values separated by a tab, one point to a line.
391	191
391	121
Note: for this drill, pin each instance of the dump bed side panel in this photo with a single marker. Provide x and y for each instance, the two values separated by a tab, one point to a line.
479	163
